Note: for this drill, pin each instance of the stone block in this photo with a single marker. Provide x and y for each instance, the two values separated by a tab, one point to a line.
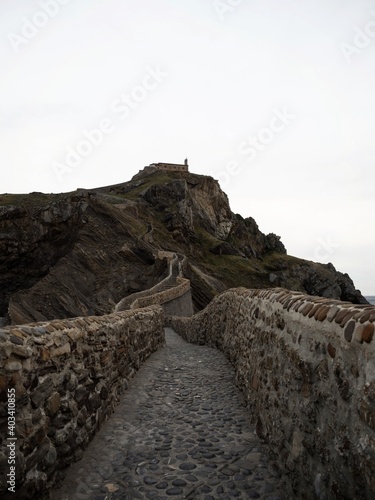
36	438
366	316
42	392
50	457
44	354
93	403
13	365
314	309
16	340
305	310
72	382
332	313
22	352
53	404
349	329
61	350
81	395
331	350
368	332
322	313
38	454
366	410
82	416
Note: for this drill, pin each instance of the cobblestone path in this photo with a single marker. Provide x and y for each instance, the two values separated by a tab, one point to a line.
180	431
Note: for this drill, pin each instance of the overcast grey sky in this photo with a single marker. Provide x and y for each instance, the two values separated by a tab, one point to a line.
273	98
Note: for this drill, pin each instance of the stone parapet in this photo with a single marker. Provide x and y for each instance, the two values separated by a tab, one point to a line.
173	292
182	286
307	368
169	280
180	306
67	376
165	254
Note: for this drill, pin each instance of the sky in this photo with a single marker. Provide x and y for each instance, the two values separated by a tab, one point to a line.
274	99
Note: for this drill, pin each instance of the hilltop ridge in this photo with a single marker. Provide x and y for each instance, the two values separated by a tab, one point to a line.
80	253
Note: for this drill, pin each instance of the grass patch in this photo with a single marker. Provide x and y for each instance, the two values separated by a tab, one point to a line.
274	261
30	200
154	179
235	271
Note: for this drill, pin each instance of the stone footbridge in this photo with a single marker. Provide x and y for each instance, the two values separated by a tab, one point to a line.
180	431
173	292
305	367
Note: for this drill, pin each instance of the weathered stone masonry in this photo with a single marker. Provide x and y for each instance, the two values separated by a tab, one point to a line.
68	375
307	368
182	286
173	292
170	280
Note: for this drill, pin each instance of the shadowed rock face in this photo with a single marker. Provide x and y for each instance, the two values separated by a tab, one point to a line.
33	240
80	262
74	255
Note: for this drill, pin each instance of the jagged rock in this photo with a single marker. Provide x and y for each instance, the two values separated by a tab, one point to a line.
274	280
80	254
274	244
66	259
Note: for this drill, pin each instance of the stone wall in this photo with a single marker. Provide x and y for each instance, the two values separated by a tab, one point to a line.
180	306
307	368
182	286
171	166
168	281
173	292
67	376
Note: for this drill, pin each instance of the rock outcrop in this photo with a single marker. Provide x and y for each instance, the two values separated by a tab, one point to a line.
79	254
70	258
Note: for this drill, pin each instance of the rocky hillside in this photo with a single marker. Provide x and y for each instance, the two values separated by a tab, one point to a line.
79	253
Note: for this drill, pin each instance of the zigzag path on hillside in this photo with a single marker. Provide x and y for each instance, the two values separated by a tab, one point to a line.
169	282
180	431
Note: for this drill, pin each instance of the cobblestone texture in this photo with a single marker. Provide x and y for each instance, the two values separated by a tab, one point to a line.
180	431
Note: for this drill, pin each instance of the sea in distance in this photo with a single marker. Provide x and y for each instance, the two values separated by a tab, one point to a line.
371	299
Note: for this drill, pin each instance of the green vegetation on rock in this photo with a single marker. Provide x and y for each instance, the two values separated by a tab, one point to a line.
80	253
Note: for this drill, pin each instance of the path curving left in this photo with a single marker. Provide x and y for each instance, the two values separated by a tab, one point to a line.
180	431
